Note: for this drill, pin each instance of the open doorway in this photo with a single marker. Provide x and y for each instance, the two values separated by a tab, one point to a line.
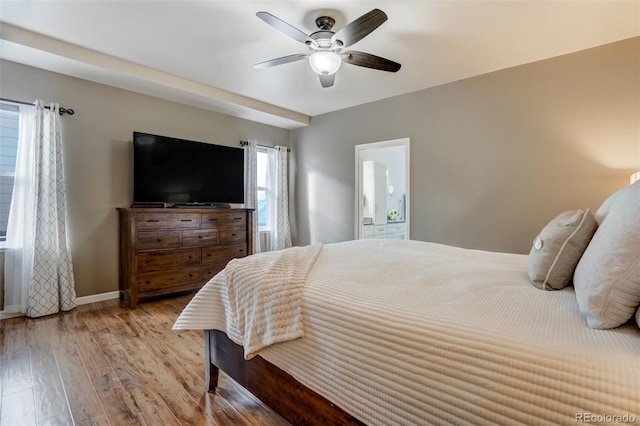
382	190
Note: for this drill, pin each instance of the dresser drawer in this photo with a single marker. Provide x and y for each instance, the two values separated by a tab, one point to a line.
223	253
166	259
233	235
158	280
368	230
380	230
157	240
215	220
167	220
199	237
396	227
210	270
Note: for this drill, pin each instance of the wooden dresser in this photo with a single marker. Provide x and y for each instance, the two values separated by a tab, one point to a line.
164	251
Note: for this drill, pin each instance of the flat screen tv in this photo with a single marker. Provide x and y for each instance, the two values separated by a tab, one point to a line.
183	172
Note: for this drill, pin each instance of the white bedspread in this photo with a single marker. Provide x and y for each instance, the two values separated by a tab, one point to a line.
407	332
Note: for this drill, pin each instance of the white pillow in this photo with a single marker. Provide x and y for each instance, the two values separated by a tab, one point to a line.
607	278
558	248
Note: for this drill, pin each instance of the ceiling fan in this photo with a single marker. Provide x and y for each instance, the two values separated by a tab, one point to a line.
326	52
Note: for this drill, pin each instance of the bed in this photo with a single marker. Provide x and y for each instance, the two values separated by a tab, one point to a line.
388	332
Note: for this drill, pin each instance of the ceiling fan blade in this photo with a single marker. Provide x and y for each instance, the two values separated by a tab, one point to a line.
327	80
368	60
282	60
360	28
289	30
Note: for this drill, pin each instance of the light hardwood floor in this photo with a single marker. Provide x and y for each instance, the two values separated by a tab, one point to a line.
105	364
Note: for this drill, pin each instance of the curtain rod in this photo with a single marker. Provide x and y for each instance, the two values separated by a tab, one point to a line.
244	143
61	110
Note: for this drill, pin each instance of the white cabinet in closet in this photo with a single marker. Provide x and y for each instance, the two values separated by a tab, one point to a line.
396	231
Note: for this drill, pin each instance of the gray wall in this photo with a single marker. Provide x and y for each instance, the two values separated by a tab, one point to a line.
493	158
97	150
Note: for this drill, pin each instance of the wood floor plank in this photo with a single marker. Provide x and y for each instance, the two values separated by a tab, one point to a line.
41	329
14	332
96	362
3	336
48	391
184	353
120	407
117	402
18	409
127	372
15	372
172	345
250	407
221	412
63	419
167	386
101	420
153	408
105	364
84	402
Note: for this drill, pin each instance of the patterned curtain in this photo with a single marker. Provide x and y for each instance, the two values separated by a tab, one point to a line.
250	188
282	231
38	268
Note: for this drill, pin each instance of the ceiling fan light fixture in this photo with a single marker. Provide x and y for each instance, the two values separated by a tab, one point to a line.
325	54
325	62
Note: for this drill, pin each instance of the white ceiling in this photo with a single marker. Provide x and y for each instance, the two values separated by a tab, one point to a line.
201	52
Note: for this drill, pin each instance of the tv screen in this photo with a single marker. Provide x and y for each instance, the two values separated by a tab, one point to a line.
179	171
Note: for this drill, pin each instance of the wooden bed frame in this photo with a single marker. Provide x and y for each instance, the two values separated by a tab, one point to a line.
279	390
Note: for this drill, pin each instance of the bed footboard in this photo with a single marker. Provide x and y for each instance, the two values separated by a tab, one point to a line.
277	389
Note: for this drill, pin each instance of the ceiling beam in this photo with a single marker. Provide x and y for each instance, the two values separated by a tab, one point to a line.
185	90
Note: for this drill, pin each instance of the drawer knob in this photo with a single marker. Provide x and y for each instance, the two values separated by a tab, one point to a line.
185	220
190	274
159	239
234	234
153	220
237	218
209	255
199	237
213	219
148	282
190	257
240	250
147	261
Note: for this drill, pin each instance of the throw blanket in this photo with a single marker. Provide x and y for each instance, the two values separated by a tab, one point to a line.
265	295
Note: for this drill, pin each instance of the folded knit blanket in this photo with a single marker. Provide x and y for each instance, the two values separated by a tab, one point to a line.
265	295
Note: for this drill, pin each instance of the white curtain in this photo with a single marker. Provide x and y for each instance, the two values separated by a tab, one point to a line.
281	230
38	270
250	188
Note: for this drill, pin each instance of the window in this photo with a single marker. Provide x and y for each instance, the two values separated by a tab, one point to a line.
9	125
264	189
271	199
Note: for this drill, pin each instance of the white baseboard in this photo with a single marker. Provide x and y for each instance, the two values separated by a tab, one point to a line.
79	301
100	297
4	316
